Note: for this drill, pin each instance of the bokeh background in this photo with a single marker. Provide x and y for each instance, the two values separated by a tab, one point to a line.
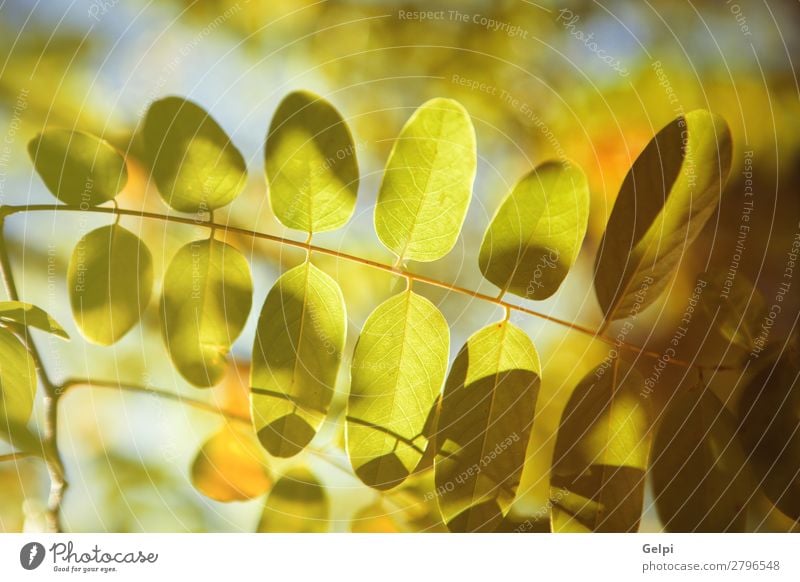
537	88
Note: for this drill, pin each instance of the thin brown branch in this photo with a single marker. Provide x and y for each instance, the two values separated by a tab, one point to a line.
15	457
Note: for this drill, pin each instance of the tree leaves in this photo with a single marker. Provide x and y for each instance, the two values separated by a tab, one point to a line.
206	299
398	368
297	504
231	466
26	314
667	197
699	470
599	463
311	164
17	390
109	279
769	410
737	308
534	238
78	168
194	163
427	183
296	358
484	425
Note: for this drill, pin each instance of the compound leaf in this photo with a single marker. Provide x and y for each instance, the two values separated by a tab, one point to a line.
534	238
231	466
398	368
427	183
109	279
667	197
78	168
207	295
194	163
30	315
17	390
600	458
311	164
297	504
296	358
699	469
484	425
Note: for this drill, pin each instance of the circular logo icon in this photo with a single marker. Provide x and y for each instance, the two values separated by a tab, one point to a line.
31	555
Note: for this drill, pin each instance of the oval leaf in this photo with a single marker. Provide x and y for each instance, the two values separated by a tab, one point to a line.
17	390
297	504
699	470
667	197
427	183
29	315
296	358
398	368
484	425
769	412
206	299
311	164
78	168
109	279
231	466
195	165
534	239
600	458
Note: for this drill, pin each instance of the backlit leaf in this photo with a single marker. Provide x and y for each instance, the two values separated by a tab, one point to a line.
699	470
769	411
311	164
297	504
600	458
667	197
534	238
296	358
194	163
109	279
78	168
17	390
485	422
206	299
231	466
398	368
427	183
30	315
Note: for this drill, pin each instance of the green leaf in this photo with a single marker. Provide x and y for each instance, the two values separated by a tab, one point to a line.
311	164
534	239
699	470
427	183
206	299
30	315
667	197
231	466
398	368
195	165
109	279
17	390
769	410
296	358
600	458
297	504
737	309
484	425
78	168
